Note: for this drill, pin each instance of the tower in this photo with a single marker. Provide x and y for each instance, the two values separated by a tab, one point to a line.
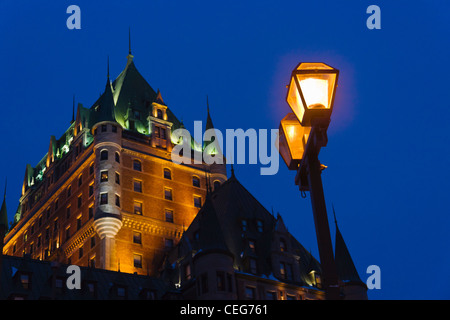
107	190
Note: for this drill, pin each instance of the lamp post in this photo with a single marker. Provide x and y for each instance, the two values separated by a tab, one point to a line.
302	134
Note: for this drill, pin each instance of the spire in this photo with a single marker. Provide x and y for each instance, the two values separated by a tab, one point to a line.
130	56
3	211
345	267
209	124
73	110
129	40
107	69
232	171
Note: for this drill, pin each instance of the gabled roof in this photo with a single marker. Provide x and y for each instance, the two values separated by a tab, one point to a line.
219	224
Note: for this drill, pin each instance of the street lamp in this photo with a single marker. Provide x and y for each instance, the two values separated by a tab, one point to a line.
311	95
311	91
293	138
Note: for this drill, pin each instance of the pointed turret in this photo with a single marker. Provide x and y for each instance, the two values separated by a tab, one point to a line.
105	109
354	288
4	214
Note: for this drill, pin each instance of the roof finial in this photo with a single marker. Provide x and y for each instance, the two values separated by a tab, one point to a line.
207	103
6	182
107	68
129	40
73	110
232	171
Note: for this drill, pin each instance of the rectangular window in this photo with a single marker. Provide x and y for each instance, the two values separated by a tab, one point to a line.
67	233
117	178
78	223
91	189
91	168
91	211
104	176
103	198
104	128
69	191
137	186
167	174
80	200
137	237
114	129
197	201
117	200
68	212
196	181
169	215
137	260
167	194
137	165
80	180
137	207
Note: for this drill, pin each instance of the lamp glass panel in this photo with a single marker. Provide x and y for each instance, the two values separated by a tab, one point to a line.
294	100
317	89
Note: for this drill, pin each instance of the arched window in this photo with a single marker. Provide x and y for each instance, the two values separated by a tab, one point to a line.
159	113
196	181
216	184
167	174
104	155
137	165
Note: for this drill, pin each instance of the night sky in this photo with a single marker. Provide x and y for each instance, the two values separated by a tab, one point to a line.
387	155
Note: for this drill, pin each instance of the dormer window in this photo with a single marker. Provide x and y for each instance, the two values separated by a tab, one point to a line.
159	114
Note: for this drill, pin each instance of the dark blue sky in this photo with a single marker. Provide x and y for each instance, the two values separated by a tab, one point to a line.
387	156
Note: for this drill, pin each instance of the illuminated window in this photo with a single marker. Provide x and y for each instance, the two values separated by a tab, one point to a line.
251	244
137	207
137	237
282	245
104	176
25	281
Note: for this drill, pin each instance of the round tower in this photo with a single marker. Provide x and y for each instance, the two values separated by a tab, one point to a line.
107	190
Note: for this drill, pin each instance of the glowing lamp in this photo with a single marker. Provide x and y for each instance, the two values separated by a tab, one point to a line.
311	91
292	140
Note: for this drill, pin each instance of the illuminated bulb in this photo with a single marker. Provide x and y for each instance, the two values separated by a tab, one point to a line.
315	92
